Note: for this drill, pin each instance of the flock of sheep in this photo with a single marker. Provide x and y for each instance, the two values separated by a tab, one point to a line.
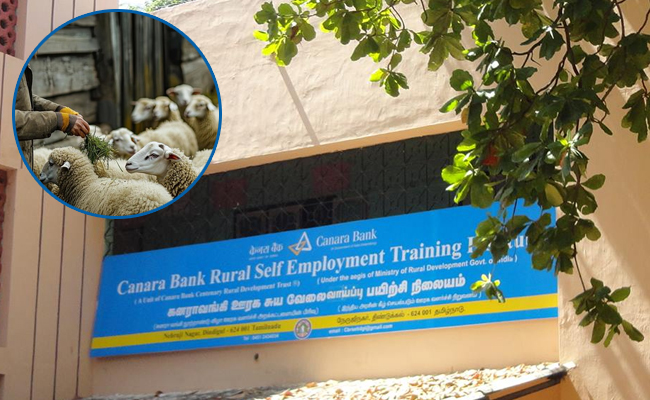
150	168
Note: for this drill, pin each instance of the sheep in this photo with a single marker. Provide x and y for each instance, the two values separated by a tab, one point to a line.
173	168
59	139
182	94
116	169
143	110
176	134
201	158
166	110
80	187
62	139
124	142
203	117
41	156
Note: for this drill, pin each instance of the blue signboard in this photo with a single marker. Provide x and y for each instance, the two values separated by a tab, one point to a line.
380	275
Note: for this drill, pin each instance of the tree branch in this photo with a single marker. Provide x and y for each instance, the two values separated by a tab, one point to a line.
645	22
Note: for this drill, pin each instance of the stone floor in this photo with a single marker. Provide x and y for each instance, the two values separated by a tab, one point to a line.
422	387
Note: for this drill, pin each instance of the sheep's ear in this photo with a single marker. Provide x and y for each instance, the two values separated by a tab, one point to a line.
134	103
170	155
66	166
196	91
170	91
135	139
110	142
212	107
173	107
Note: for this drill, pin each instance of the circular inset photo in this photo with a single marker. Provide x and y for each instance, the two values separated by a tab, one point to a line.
117	113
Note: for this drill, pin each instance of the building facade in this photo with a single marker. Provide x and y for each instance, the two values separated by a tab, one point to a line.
310	145
46	258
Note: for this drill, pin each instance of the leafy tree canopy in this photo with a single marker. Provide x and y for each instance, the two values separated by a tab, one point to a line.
524	143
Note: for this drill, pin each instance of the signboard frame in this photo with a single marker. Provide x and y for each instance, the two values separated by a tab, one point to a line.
388	274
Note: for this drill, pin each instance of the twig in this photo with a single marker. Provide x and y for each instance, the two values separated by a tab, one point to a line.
394	10
645	22
575	246
569	50
575	261
620	14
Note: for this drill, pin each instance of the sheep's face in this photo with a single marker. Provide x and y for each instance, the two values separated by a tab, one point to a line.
143	110
199	107
182	94
51	170
153	159
164	106
124	142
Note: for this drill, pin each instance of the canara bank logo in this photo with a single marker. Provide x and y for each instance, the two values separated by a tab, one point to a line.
303	245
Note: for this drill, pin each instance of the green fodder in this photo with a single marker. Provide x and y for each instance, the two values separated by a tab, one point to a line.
97	149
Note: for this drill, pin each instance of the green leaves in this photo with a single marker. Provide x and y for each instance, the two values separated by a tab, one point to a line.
439	19
455	173
348	29
286	10
525	152
440	47
526	129
531	25
287	27
551	44
454	104
595	182
482	194
378	75
286	50
461	80
597	303
266	14
599	332
391	81
632	332
638	118
489	287
459	176
366	47
307	30
620	294
259	35
553	195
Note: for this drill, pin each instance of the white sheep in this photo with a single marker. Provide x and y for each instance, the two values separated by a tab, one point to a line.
41	157
203	117
62	139
116	169
124	142
142	110
166	110
80	187
201	158
182	94
176	134
173	169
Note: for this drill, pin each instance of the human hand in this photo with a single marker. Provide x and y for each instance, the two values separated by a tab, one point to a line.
73	124
80	127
